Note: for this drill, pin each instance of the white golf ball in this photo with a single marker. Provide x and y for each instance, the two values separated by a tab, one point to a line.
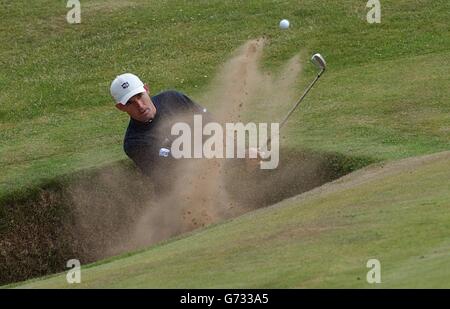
284	24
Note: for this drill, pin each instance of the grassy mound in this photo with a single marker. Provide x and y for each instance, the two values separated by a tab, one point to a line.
96	213
384	97
397	213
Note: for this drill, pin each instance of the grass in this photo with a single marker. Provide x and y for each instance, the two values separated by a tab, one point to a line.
401	110
57	117
397	213
384	97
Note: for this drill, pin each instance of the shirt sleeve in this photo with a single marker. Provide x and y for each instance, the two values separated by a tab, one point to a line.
195	107
148	161
143	156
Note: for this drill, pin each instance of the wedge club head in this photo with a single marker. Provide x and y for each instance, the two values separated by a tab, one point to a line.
319	62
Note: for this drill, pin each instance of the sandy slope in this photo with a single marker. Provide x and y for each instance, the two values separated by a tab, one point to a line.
397	213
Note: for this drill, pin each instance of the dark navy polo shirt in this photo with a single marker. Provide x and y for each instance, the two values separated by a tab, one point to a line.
144	140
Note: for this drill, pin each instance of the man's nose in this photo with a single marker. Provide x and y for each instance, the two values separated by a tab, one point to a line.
141	104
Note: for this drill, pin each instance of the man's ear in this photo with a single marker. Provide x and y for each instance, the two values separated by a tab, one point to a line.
146	88
121	107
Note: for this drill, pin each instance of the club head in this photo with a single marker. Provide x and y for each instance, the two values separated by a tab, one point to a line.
319	61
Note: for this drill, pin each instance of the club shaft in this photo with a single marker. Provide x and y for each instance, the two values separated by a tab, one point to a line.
300	100
298	103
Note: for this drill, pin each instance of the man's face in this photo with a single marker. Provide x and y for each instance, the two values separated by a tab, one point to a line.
140	107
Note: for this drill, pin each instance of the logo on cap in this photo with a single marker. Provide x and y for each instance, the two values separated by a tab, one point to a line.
125	85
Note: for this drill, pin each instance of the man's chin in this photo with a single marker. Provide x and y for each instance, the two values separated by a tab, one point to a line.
146	118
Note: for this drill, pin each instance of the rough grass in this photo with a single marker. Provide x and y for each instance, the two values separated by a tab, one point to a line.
97	213
397	213
386	110
385	95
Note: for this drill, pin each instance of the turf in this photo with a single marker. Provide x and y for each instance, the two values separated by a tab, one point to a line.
397	213
385	95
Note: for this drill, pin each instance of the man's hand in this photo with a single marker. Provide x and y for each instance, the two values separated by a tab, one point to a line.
253	159
252	153
255	153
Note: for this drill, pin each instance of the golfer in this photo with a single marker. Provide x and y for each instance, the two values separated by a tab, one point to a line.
148	138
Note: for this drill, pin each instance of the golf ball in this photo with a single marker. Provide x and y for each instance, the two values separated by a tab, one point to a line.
284	24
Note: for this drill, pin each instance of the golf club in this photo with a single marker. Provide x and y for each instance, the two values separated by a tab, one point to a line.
320	63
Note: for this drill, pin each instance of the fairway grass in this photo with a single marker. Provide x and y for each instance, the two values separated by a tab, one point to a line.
397	213
384	96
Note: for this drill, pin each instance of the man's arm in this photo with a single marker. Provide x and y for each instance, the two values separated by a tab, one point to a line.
188	105
144	157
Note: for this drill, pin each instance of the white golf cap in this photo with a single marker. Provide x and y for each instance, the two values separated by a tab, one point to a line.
125	86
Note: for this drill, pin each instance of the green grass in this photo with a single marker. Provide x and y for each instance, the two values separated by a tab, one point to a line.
385	110
398	214
385	95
